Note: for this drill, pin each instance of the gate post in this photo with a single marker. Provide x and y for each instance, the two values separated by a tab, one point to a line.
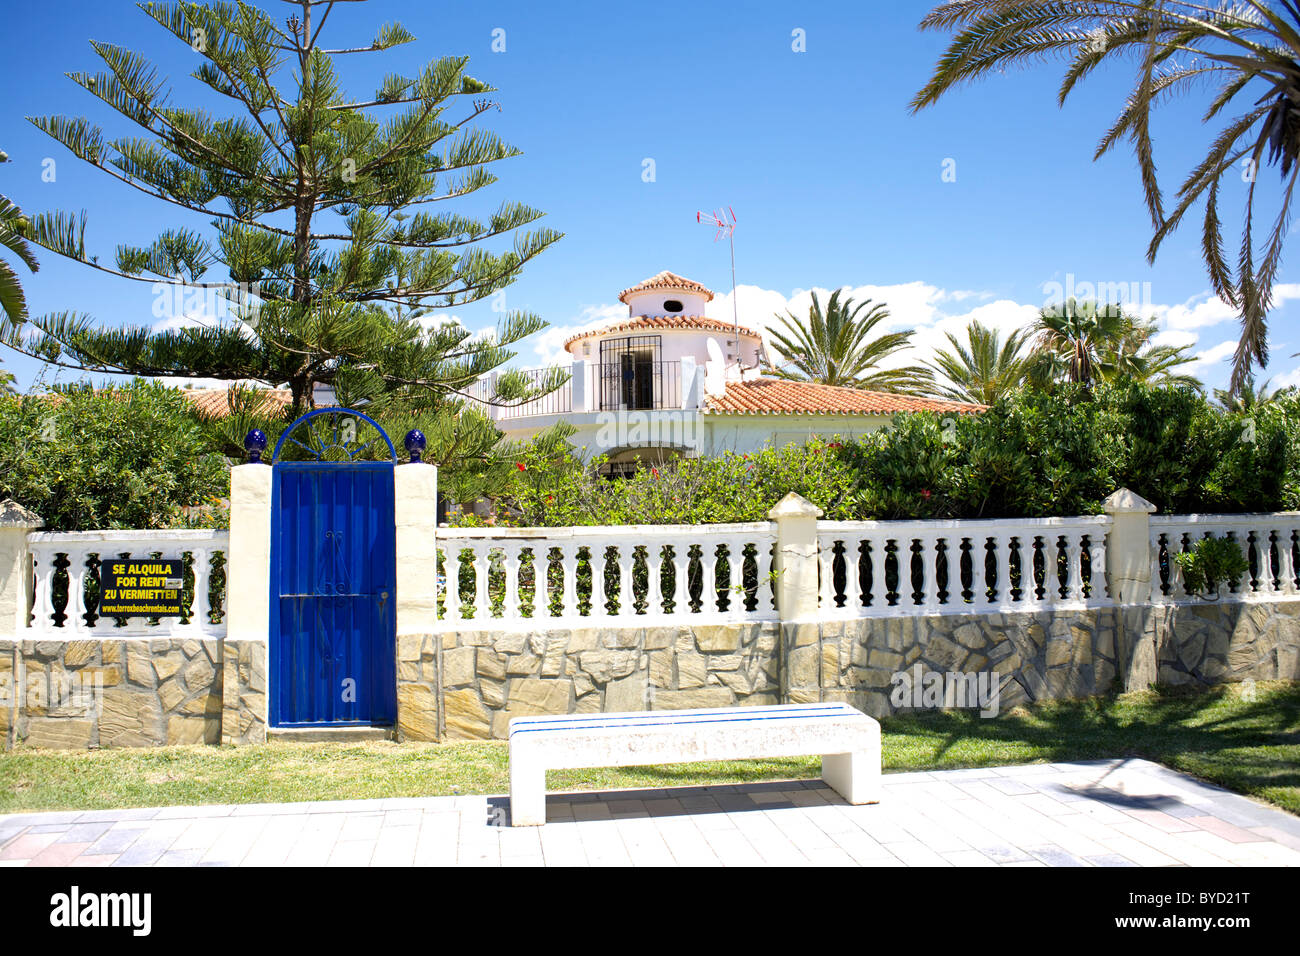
15	568
244	700
419	645
248	565
416	513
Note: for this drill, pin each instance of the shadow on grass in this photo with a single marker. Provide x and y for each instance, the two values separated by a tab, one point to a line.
1250	745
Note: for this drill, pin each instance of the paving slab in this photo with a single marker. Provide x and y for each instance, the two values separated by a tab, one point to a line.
1088	813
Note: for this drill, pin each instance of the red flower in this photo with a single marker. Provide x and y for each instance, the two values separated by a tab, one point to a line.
925	492
835	444
654	472
521	466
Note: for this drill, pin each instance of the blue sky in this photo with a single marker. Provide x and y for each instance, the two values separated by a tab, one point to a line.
833	182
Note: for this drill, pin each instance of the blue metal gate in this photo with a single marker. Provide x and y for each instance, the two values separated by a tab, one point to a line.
333	575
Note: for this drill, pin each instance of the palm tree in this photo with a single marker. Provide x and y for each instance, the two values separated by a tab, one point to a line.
1084	343
1134	357
835	347
1073	341
1240	52
983	368
12	301
1248	398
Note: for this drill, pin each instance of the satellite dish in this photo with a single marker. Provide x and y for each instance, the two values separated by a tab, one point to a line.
715	352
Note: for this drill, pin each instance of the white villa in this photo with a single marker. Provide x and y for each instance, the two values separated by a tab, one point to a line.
668	380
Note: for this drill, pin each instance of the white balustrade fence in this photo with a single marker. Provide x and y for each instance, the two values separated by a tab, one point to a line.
67	585
645	573
1269	542
876	568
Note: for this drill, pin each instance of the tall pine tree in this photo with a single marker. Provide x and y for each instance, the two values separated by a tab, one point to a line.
323	238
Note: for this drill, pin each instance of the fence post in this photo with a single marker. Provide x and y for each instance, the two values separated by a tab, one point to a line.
416	513
1128	552
15	567
1128	565
796	558
248	564
797	590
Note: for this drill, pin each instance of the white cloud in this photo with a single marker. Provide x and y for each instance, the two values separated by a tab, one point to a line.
1210	357
549	343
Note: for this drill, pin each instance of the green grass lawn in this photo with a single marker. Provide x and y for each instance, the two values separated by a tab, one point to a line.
1248	745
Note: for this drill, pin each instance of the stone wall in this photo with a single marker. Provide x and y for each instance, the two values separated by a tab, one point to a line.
244	698
1046	655
468	684
488	677
128	693
1206	644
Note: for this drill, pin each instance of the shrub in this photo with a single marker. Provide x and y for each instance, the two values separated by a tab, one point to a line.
130	456
1211	563
1032	454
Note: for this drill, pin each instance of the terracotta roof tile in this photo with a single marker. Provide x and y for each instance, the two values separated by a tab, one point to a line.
691	322
667	281
215	402
772	396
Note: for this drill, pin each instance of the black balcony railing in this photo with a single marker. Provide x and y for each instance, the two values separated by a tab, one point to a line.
634	384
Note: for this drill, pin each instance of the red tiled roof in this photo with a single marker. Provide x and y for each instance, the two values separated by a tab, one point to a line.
690	322
667	281
772	396
215	402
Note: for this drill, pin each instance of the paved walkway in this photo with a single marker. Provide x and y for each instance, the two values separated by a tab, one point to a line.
1097	813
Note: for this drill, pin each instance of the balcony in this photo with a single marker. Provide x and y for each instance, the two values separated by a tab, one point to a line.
629	384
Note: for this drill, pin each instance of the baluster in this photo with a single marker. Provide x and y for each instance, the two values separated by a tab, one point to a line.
930	573
1254	579
569	590
1074	565
596	552
76	621
538	589
997	582
199	618
681	586
451	571
654	559
1097	562
1051	546
42	608
1285	581
481	561
876	566
510	561
736	579
1286	561
826	563
626	597
1177	588
1157	586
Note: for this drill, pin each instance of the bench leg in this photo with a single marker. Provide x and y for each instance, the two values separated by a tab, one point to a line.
527	794
854	776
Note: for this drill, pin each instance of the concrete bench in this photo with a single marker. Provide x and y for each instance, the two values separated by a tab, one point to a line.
847	740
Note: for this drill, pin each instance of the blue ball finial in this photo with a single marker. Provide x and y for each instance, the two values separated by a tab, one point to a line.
415	443
255	444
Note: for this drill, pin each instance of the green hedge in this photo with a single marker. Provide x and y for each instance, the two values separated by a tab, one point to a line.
1034	454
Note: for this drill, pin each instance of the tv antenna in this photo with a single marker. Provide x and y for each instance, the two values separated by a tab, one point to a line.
724	221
